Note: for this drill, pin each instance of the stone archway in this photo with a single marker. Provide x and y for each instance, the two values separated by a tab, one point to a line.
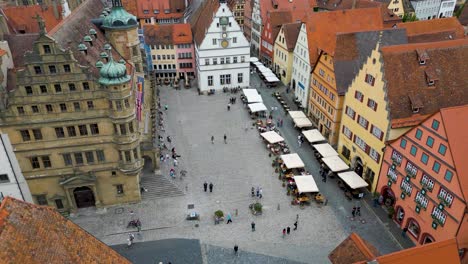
388	196
84	197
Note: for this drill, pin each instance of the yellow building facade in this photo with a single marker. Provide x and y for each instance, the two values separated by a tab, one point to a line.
283	52
163	57
397	7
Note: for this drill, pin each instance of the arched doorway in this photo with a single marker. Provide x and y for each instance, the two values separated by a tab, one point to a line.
294	85
84	197
400	215
414	228
358	167
426	239
388	196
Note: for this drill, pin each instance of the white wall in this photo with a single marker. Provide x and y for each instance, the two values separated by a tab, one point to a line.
7	61
427	9
16	186
446	8
301	67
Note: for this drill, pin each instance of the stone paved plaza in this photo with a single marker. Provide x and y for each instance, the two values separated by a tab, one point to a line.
234	168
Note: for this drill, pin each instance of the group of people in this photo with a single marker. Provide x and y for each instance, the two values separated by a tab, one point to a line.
258	192
224	137
287	230
232	101
324	172
300	140
206	186
356	211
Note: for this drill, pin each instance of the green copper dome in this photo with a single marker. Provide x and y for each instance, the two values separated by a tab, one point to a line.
119	18
82	47
99	64
113	73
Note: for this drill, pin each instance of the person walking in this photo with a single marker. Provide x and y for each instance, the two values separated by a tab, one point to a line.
229	107
176	162
354	211
236	248
229	219
225	139
212	139
166	107
253	226
358	210
284	232
205	186
288	230
253	191
260	193
281	122
130	239
211	187
169	139
295	225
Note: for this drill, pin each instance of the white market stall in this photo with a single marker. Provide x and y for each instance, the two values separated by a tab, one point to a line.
313	136
353	180
262	68
335	163
252	95
253	59
272	79
325	150
305	184
302	122
268	74
297	114
272	137
292	161
257	107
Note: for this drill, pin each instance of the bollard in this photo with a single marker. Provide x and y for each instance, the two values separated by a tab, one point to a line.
237	212
278	207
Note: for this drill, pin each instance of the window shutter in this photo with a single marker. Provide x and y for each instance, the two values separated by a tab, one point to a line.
342	129
371	129
373	81
378	158
367	149
350	135
354	114
368	102
366	77
355	94
381	135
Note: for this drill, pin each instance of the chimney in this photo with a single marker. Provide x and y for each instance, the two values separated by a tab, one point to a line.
55	8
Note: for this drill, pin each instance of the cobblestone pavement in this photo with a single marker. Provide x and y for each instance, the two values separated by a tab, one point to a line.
234	168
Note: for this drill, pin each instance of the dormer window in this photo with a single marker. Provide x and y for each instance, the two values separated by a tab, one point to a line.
415	110
167	11
416	103
422	56
88	39
430	76
156	11
146	11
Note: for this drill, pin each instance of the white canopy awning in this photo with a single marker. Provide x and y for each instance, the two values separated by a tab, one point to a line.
268	74
258	64
305	184
272	78
352	179
313	135
262	68
302	122
272	137
252	95
335	163
257	107
292	161
253	59
325	150
297	114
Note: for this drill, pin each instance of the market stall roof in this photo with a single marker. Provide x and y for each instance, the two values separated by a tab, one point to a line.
272	78
253	59
306	184
257	107
325	150
248	92
272	137
352	179
302	122
297	114
262	68
313	135
268	74
292	161
258	64
335	163
256	98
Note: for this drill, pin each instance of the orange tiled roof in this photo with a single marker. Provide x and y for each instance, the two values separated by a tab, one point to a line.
39	234
160	34
433	30
322	27
353	249
182	34
22	17
146	8
295	6
2	52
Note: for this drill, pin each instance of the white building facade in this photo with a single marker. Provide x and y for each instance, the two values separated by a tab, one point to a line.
432	9
300	79
256	36
223	56
12	182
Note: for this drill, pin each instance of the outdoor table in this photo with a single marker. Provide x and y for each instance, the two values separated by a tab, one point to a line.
303	199
319	198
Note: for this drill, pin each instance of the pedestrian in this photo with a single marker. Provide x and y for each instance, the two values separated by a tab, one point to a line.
211	187
297	217
229	219
173	150
354	211
225	139
235	99
288	230
299	142
166	107
169	139
358	210
281	122
284	232
236	248
324	177
205	186
295	225
403	233
253	191
167	157
176	162
253	226
287	90
212	139
229	107
260	193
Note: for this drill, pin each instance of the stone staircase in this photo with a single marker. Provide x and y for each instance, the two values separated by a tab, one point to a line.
159	186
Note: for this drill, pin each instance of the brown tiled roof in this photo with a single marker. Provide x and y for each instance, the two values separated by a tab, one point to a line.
278	18
433	30
322	27
176	8
19	45
39	234
131	6
291	32
353	249
455	123
407	80
158	34
202	19
71	31
22	17
182	34
304	6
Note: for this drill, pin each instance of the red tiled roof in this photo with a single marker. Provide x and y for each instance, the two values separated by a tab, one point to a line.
295	6
182	34
160	34
455	120
407	80
146	8
2	52
22	17
202	19
346	4
433	30
39	234
353	249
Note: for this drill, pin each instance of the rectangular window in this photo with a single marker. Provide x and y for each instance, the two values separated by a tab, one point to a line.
49	108
46	49
89	157
448	175
234	59
78	158
435	124
207	61
403	143
58	88
135	153
210	80
20	110
240	77
41	199
123	129
71	87
119	189
128	156
4	178
214	41
35	109
90	105
63	107
118	105
228	60
347	132
35	162
100	155
46	161
85	86
370	79
234	40
43	89
59	132
127	103
71	131
25	135
28	90
413	151
52	69
361	143
130	127
372	104
424	158
66	68
442	149
221	60
228	78
350	112
363	122
418	133
376	132
94	129
215	61
37	134
436	166
430	141
76	105
38	69
58	203
359	96
83	130
67	159
242	58
374	155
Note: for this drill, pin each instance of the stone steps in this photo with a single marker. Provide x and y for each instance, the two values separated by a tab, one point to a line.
159	187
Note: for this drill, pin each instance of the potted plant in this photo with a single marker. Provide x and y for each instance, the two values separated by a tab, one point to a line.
391	212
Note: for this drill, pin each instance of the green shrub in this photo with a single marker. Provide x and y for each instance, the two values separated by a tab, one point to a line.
219	214
258	207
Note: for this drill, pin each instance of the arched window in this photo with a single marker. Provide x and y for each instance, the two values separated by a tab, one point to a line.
426	239
400	215
413	228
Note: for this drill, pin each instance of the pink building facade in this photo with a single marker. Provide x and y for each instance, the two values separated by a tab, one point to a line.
424	179
185	56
